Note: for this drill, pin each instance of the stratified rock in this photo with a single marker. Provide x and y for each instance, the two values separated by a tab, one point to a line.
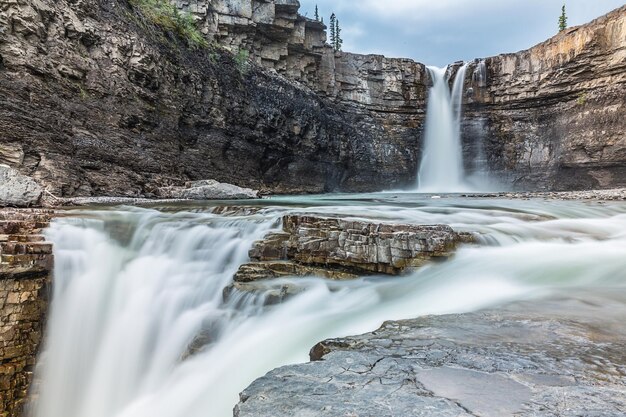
342	249
276	269
207	190
18	190
553	117
25	272
526	360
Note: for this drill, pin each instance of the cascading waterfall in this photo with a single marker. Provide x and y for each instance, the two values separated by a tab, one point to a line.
135	288
441	168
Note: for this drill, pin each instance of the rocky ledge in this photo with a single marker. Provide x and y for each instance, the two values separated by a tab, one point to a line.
25	267
543	358
342	249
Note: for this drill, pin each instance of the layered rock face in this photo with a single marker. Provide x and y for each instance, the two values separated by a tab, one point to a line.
342	249
25	268
96	100
553	116
561	357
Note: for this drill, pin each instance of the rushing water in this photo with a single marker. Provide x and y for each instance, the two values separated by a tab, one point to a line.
441	168
135	288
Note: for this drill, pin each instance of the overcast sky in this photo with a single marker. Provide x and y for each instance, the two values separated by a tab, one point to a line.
439	32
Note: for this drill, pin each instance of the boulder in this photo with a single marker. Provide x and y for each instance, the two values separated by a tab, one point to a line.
207	190
18	190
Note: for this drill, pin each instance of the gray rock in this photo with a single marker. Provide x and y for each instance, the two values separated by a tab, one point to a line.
208	190
17	189
342	249
560	358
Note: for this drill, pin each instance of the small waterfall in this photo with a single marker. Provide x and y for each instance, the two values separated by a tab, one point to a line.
134	288
441	168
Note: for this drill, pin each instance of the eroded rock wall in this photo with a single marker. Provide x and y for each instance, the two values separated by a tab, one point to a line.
25	268
554	116
97	100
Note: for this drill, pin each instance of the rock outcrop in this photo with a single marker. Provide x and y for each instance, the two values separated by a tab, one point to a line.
564	357
342	249
25	268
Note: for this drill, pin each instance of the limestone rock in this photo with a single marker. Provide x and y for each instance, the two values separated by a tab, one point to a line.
207	190
25	267
18	190
524	360
342	249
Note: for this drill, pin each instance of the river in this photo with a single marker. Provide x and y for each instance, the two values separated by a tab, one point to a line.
139	325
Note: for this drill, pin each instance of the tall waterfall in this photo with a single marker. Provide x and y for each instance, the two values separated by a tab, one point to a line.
135	288
441	168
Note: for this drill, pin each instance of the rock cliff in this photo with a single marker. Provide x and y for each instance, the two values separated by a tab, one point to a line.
95	99
554	116
25	267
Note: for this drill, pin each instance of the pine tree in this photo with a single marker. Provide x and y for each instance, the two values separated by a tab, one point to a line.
333	28
562	20
338	40
317	13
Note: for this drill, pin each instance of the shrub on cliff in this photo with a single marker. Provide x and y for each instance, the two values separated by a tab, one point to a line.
164	14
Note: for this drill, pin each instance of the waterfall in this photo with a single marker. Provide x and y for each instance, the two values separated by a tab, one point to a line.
135	288
441	168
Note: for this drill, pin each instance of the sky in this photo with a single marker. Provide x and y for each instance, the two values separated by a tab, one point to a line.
439	32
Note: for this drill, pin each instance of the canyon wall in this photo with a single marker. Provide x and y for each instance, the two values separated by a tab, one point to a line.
554	116
97	100
25	268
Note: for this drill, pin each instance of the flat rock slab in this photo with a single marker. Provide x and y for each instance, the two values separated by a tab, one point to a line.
343	249
548	358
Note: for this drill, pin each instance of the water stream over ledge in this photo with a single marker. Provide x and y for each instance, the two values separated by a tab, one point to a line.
135	287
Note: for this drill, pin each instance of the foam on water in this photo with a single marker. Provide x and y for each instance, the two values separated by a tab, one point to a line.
135	288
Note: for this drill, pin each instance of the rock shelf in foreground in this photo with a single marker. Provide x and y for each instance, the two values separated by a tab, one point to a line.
558	358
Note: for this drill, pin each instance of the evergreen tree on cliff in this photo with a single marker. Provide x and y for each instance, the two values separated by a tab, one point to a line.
333	37
317	13
562	20
338	40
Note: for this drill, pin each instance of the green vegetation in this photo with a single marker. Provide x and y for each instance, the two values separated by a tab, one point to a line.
242	59
582	99
335	33
562	20
164	14
338	41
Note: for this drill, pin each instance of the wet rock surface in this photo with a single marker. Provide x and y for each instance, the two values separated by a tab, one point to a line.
563	357
342	249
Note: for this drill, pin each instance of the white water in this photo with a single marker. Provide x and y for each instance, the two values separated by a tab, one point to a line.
441	168
134	287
